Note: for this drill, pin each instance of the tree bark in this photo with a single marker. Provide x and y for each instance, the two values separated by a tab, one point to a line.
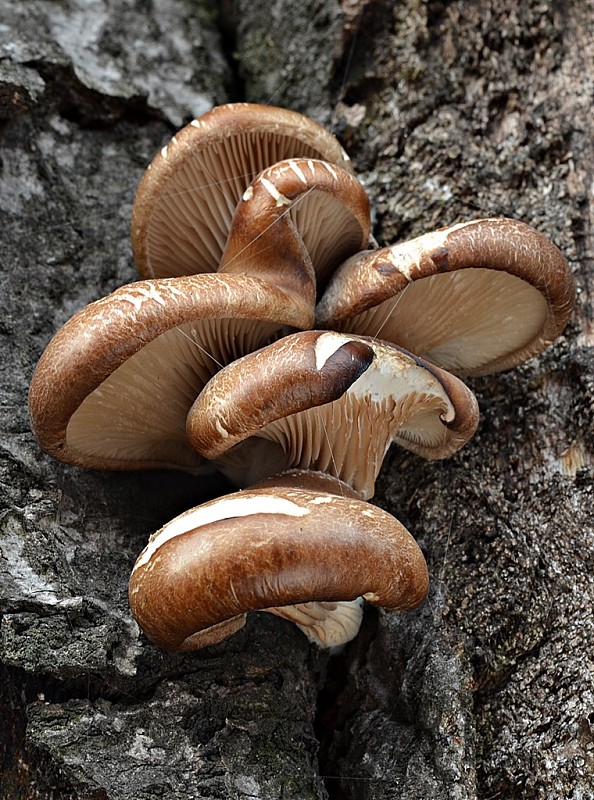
450	111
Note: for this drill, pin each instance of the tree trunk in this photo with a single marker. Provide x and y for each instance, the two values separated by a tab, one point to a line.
450	111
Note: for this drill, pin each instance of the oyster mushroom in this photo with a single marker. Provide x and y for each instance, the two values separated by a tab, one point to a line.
330	402
302	548
186	200
297	221
474	298
114	386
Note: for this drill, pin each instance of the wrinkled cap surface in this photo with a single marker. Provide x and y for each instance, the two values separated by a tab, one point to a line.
186	200
330	402
307	554
474	298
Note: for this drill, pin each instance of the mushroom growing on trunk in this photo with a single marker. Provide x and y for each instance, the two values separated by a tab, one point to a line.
302	547
330	402
297	221
162	372
187	198
474	298
114	386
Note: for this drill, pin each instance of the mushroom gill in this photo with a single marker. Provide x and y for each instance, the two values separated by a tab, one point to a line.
186	200
475	298
114	386
460	321
331	402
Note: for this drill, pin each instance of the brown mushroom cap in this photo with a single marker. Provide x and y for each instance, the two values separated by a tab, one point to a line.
474	298
330	402
186	199
114	386
296	222
305	554
308	480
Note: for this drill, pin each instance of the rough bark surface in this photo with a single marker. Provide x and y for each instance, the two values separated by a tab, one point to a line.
450	110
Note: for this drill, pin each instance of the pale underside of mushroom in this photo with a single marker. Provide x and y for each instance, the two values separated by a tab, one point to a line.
315	222
184	206
496	317
299	214
474	298
307	555
114	386
396	398
326	624
134	416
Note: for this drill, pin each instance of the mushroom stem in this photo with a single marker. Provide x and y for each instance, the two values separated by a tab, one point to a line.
331	402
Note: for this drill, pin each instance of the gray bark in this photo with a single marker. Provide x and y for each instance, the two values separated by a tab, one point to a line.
450	111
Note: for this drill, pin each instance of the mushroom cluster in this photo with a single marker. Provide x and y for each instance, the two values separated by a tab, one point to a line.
267	342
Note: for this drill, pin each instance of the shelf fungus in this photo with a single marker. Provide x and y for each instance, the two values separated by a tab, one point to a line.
474	298
303	548
187	198
330	402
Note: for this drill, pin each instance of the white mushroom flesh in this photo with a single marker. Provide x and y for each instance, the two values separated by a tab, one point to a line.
328	624
231	507
356	432
393	401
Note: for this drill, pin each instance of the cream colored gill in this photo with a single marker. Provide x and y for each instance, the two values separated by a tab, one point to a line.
394	400
139	412
190	220
227	508
329	230
328	624
349	437
459	320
